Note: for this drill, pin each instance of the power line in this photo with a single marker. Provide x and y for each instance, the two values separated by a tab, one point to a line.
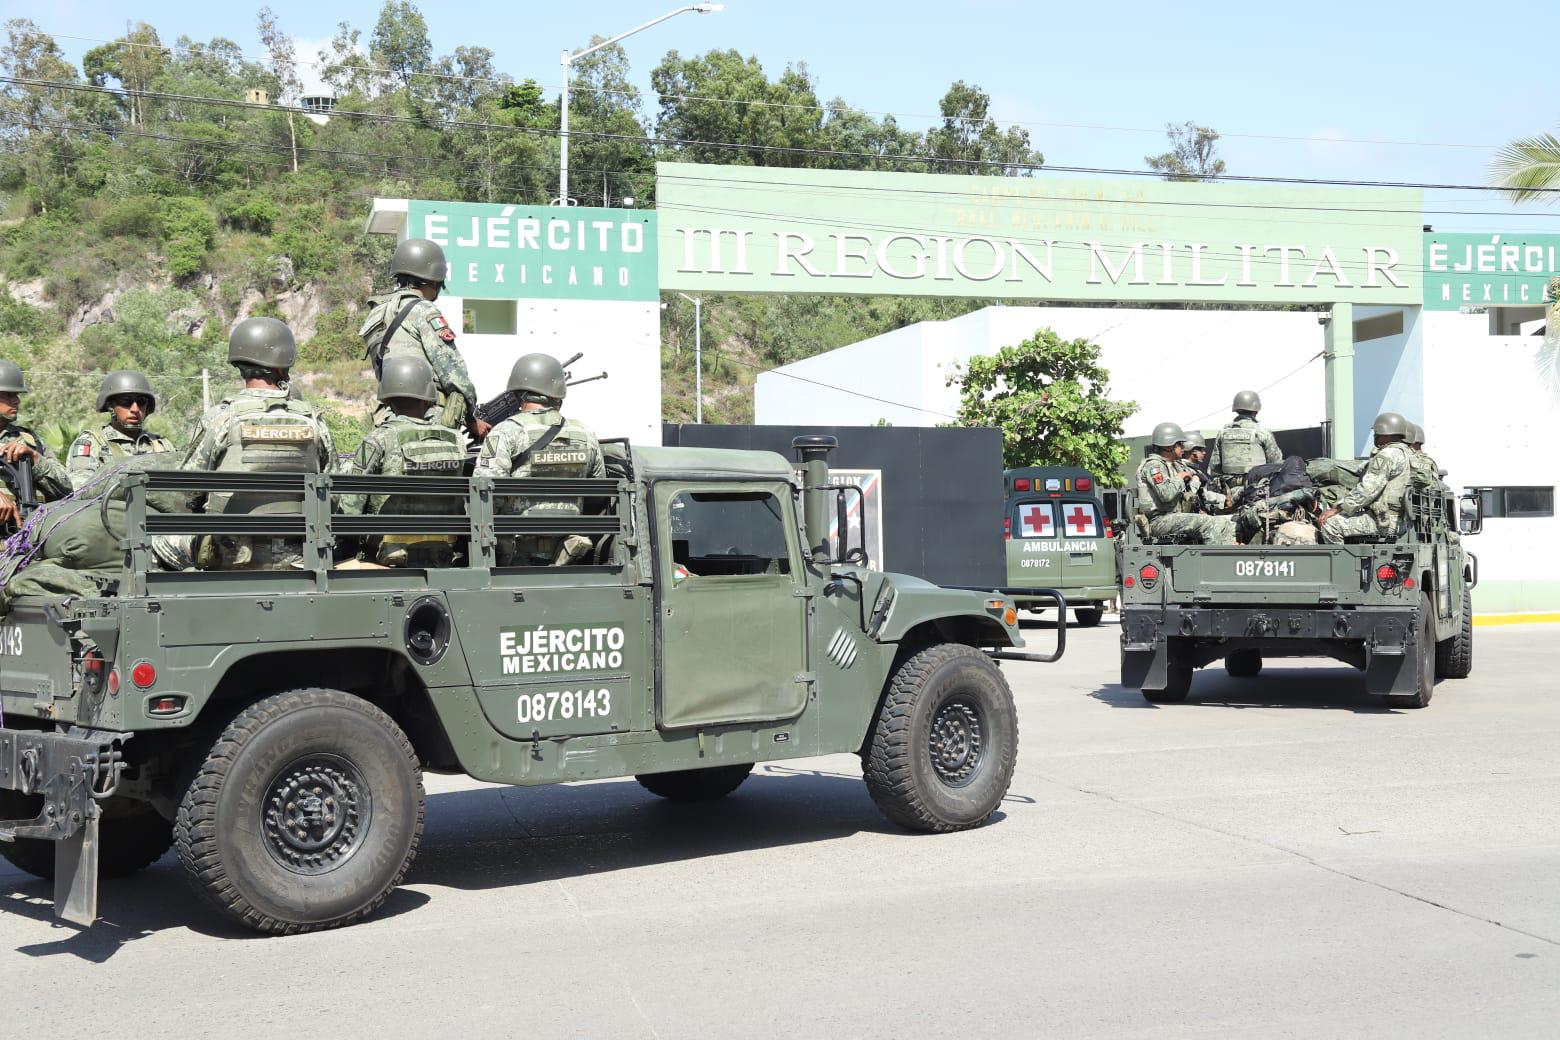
878	157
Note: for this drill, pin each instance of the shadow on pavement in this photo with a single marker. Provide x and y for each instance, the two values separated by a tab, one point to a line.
1335	689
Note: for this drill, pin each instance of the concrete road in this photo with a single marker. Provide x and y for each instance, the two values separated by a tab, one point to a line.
1282	857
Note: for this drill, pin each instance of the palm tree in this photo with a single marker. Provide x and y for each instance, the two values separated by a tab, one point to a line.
1529	169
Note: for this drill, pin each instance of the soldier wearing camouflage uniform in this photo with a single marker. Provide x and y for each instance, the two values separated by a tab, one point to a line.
408	441
50	480
129	400
1168	494
1426	473
537	441
406	322
1242	445
1374	507
260	429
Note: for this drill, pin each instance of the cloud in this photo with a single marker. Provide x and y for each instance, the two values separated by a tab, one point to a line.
306	52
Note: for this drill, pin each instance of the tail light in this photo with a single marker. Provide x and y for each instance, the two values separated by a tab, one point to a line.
1148	575
1007	527
94	672
1021	484
1083	484
143	674
1109	531
1387	576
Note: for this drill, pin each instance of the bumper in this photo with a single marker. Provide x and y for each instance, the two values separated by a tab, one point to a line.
1378	640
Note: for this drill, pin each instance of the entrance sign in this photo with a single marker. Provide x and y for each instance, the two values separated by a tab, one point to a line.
758	229
1488	270
499	252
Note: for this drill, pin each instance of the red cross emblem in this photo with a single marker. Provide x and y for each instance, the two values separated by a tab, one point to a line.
1084	522
1036	522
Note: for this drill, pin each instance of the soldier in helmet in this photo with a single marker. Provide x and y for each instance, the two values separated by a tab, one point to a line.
50	480
408	441
1242	444
537	441
1168	493
1374	507
405	321
129	400
260	429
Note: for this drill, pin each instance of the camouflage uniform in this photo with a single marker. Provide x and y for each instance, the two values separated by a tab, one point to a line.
256	431
1241	445
51	481
574	452
401	445
1167	503
96	449
425	334
1373	508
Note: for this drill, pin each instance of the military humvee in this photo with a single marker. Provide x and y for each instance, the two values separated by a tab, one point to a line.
1057	536
273	726
1399	610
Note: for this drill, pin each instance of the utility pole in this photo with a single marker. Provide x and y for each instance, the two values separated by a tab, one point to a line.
698	356
205	390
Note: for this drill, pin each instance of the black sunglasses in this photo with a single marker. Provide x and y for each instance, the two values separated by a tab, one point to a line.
126	400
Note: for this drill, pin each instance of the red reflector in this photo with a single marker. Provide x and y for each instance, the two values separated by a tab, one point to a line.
165	706
1149	572
143	674
1007	527
1021	484
1129	581
1084	484
1386	572
113	683
1408	583
1109	531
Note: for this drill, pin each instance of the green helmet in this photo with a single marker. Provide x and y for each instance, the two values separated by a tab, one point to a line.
1167	435
1193	441
421	258
1416	433
407	375
1390	424
539	374
265	342
1247	401
11	378
125	381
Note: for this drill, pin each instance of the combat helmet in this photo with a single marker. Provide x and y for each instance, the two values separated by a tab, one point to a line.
1194	440
407	376
265	342
1416	433
539	374
1167	435
1390	424
1247	401
11	380
420	258
125	381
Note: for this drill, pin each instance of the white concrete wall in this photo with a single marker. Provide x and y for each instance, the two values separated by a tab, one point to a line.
1181	366
619	337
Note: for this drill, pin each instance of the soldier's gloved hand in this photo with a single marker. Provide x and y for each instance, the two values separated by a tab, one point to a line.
15	450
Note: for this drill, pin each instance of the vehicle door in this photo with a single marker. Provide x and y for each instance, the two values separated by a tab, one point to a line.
1034	556
732	603
1087	558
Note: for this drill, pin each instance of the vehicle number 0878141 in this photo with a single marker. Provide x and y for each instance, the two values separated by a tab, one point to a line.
1264	568
565	704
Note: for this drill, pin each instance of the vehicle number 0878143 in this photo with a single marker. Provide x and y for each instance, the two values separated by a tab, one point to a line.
1264	568
565	704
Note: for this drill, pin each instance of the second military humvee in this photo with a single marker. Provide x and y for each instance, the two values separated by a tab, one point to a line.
273	726
1057	536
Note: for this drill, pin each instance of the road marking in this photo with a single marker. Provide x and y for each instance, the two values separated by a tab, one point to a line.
1515	619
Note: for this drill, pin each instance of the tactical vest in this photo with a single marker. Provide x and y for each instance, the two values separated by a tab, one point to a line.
1387	509
1147	504
381	315
423	450
567	455
267	435
1239	449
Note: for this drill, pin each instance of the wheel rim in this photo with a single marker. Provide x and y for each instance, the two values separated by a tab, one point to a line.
957	742
317	811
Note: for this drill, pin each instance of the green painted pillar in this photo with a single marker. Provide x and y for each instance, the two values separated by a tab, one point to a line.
1339	356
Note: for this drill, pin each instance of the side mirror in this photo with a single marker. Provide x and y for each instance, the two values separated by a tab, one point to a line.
1470	513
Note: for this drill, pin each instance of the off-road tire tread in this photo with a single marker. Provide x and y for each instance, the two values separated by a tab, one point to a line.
695	785
1420	698
888	765
1088	617
1454	656
194	836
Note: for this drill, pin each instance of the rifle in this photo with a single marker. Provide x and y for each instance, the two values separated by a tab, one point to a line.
508	402
19	475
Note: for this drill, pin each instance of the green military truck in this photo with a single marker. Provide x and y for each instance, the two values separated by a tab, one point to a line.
1398	610
273	726
1057	537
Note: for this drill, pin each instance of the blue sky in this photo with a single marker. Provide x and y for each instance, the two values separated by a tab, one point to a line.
1341	79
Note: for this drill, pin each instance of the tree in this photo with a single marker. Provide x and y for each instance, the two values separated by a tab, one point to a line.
725	97
400	44
1050	398
1191	155
969	136
33	118
343	67
1529	167
288	86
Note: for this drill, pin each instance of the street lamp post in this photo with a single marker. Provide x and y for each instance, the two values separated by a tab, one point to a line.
563	97
698	362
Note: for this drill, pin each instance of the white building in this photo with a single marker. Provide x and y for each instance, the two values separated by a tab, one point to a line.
1488	402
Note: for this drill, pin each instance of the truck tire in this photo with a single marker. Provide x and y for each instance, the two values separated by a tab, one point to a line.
131	834
1088	617
1424	661
1243	664
1178	683
695	785
305	814
940	755
1454	656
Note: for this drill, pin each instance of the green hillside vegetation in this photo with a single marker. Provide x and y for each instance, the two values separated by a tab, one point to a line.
147	200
